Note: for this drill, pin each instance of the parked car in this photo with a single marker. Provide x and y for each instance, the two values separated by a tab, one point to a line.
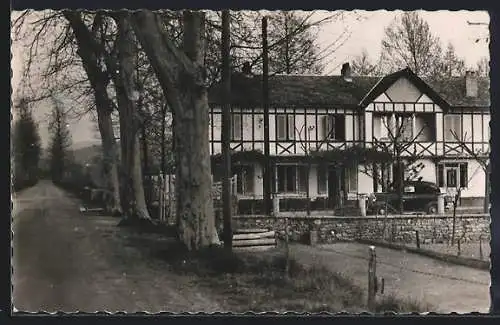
418	196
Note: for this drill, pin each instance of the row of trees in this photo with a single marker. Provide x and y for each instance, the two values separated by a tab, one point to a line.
139	72
409	42
26	148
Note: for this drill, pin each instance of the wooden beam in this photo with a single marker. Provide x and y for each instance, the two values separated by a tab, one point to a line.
253	248
250	230
254	242
265	105
267	234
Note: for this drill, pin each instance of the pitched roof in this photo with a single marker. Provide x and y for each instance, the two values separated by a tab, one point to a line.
389	79
327	91
296	90
453	91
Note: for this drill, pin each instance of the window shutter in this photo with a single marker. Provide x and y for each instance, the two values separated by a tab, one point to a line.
291	127
440	175
274	177
384	125
447	126
454	123
352	175
302	173
321	179
463	175
407	131
281	178
291	178
281	125
457	125
332	127
239	124
324	122
236	127
339	127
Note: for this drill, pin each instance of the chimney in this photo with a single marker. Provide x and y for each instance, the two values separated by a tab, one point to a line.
471	84
247	69
346	72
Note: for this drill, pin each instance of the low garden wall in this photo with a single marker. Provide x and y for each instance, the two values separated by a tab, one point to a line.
398	228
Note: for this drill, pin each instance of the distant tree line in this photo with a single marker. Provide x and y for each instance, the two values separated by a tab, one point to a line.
26	148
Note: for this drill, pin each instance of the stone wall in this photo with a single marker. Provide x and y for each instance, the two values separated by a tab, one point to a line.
398	229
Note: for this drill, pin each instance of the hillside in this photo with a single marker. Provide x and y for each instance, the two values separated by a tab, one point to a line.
86	154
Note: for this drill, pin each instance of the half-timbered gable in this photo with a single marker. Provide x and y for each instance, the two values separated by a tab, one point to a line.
428	122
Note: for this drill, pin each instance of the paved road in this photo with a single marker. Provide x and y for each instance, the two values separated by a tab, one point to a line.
448	288
65	261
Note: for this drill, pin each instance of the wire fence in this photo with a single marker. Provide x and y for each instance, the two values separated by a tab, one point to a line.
382	261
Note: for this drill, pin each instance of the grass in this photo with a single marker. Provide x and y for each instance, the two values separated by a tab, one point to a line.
392	304
257	282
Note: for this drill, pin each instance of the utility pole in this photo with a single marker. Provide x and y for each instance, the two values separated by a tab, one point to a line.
265	105
226	130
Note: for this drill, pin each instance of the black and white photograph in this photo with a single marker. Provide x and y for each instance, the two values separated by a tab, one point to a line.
251	161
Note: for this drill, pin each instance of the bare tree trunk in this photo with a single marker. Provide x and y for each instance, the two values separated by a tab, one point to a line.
99	81
110	156
141	207
127	96
182	78
148	185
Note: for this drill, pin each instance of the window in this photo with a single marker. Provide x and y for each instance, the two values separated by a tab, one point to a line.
285	124
291	178
236	127
384	172
396	126
404	124
452	175
334	127
244	179
322	179
351	174
452	127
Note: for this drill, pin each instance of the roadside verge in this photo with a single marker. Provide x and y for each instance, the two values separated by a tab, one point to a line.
470	262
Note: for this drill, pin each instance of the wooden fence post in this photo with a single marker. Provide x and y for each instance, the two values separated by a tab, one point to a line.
418	239
481	247
372	278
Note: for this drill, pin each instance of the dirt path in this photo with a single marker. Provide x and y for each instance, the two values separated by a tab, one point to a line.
65	261
447	287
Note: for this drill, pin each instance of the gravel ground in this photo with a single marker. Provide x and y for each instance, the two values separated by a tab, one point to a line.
446	287
66	261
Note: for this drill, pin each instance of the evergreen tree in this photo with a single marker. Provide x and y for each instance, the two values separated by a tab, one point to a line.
362	65
26	147
60	143
297	51
450	64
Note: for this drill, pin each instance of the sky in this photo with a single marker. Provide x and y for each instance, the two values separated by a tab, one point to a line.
365	33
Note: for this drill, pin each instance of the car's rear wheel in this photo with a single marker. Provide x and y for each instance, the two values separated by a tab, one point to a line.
432	208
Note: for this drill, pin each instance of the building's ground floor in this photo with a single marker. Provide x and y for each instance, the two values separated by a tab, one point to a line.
328	185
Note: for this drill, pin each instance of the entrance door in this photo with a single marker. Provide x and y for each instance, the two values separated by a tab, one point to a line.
335	177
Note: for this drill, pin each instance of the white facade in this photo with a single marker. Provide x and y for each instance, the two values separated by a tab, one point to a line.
295	132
